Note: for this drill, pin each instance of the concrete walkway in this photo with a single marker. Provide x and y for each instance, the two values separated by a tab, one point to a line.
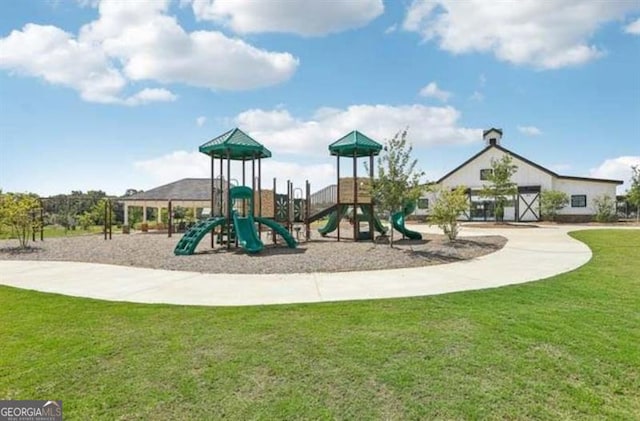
530	254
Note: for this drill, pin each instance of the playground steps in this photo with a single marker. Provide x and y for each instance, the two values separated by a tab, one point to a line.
192	237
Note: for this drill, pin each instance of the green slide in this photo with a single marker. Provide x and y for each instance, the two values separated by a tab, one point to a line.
192	237
398	222
282	231
247	234
377	225
334	218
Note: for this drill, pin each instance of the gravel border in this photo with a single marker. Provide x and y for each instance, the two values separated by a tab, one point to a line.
318	255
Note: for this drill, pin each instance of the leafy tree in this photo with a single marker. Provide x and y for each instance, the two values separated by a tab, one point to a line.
189	215
164	216
131	192
605	208
95	215
633	193
118	211
19	212
447	208
179	213
398	181
135	215
85	220
500	187
551	201
66	209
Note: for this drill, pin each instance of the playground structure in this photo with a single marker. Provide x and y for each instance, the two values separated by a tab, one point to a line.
355	193
236	210
233	209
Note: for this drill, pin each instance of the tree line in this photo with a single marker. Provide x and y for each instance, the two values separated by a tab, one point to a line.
24	213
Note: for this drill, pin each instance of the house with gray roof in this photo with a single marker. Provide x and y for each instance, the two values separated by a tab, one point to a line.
191	193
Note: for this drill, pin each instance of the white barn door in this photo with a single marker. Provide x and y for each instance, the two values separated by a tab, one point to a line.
528	204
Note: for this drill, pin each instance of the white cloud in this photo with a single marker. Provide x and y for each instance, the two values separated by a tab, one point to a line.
477	96
530	130
391	29
633	27
307	18
201	120
175	165
542	34
616	169
300	145
183	164
432	91
55	56
138	41
146	96
283	133
153	46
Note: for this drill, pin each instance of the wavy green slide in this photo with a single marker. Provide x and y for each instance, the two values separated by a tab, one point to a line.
377	225
398	222
282	231
247	234
334	217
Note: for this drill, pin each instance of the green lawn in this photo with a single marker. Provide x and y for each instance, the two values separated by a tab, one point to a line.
565	348
51	231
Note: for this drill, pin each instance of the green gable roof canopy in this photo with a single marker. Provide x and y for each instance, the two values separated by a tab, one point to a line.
355	143
240	146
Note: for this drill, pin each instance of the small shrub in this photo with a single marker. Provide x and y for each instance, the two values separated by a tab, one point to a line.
18	211
605	209
446	210
551	201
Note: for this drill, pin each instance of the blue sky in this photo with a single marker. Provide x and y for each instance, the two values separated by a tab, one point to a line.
113	95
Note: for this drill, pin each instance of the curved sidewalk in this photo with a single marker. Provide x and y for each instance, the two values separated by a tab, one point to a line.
530	254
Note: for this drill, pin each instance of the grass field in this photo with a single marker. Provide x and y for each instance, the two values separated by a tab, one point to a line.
565	348
51	231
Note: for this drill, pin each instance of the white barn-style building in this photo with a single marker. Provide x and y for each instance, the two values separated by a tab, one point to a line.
531	179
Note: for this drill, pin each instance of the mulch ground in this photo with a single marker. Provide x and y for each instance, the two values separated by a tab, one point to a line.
318	255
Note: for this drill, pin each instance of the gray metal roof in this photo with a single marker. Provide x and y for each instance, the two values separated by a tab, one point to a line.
185	189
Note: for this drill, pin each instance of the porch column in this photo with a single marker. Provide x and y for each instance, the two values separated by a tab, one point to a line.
126	213
144	213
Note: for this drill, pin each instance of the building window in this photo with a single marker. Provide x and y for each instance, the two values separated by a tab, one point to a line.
485	174
578	200
423	203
